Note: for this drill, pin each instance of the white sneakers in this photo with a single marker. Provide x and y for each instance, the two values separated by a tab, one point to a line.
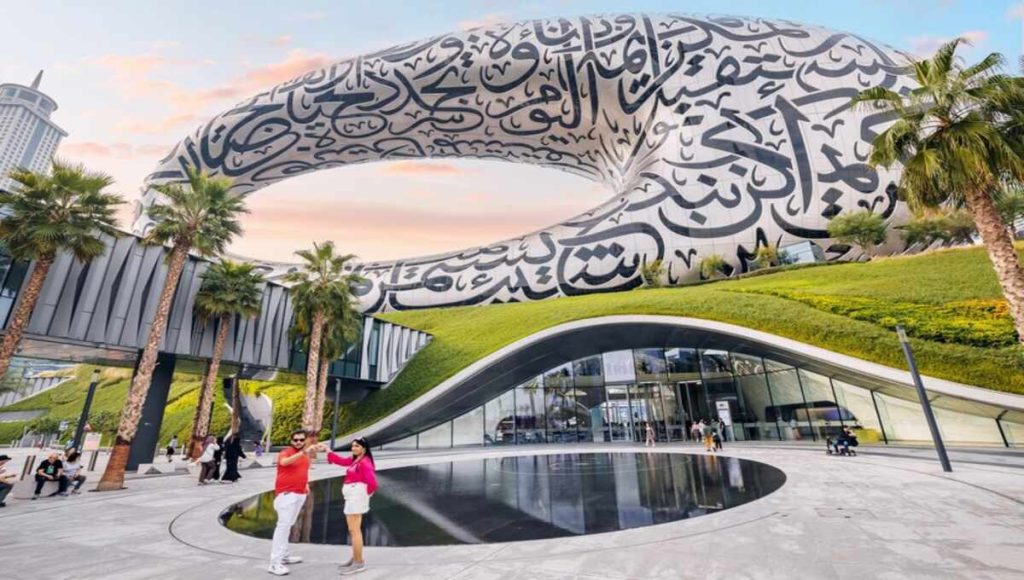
278	570
354	568
281	569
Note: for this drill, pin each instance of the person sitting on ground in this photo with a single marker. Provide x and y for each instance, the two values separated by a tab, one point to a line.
51	469
7	479
73	471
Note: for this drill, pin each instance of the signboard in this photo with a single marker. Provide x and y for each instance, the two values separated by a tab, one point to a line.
724	413
92	442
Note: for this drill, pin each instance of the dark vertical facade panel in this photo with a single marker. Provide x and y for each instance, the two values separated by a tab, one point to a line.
50	294
130	283
144	297
60	324
109	287
83	313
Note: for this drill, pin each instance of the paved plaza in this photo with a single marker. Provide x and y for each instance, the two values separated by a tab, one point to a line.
888	513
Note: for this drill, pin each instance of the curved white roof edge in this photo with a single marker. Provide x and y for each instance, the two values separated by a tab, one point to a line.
940	386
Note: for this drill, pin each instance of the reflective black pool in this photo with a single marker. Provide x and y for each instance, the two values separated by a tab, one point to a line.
521	498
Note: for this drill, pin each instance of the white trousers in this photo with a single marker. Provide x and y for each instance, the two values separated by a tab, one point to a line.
287	505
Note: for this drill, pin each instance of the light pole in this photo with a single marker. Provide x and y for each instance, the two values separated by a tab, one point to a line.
80	430
926	405
334	421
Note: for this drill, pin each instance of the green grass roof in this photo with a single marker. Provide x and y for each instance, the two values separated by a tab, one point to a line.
949	301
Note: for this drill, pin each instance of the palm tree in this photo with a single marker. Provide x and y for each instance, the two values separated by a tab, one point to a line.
229	290
317	292
65	210
959	135
201	216
340	331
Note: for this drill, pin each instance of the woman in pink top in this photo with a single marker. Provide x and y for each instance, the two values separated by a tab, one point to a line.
360	483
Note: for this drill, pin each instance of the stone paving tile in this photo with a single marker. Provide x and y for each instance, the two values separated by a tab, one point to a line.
865	517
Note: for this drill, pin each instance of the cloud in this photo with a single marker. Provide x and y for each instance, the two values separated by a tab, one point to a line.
283	40
116	150
1016	11
927	45
297	63
420	168
485	20
157	126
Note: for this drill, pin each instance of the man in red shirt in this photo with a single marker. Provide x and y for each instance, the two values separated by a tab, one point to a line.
290	490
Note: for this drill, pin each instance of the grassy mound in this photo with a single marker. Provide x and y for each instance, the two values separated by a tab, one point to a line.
949	301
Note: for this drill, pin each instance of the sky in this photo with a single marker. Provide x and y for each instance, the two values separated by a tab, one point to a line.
132	77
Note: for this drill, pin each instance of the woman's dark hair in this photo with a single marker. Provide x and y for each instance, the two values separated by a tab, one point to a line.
72	456
365	445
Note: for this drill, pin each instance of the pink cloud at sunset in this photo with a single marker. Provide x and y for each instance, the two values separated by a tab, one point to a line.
118	150
421	168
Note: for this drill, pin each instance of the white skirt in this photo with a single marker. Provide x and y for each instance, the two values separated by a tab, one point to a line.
357	501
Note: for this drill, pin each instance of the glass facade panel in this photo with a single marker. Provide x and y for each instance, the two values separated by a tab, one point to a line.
469	428
823	415
675	415
788	409
588	407
746	364
559	377
562	419
903	420
650	364
617	415
715	364
587	372
682	364
437	437
530	422
753	422
618	367
858	412
499	420
407	443
600	399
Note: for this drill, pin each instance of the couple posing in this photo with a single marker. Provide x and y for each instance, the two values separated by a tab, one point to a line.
292	487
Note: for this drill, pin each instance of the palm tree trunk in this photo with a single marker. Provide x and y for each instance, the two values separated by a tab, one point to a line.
1001	252
321	391
23	313
312	369
201	420
236	406
131	412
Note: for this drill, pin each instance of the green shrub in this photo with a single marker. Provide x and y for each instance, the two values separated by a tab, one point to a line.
712	266
653	274
864	228
948	227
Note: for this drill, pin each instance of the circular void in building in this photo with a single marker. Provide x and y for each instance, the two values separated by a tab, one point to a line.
532	497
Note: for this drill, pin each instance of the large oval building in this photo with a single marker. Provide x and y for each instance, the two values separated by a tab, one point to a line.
713	135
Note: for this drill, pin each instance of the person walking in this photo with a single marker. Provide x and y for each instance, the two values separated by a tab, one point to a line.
206	459
218	457
708	432
290	491
360	485
649	432
232	453
696	430
172	448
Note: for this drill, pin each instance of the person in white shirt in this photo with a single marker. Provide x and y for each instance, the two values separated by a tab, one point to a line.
206	460
73	471
7	479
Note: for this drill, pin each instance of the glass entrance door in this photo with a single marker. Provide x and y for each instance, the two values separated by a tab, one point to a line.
691	396
618	419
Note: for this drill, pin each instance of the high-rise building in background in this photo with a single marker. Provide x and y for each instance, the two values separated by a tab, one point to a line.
28	138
